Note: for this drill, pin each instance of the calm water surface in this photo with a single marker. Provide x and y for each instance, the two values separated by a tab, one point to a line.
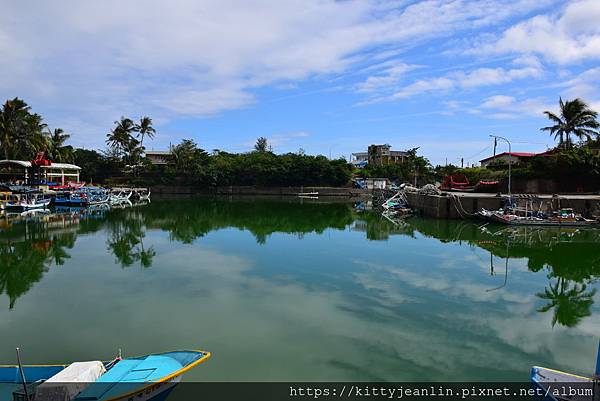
283	290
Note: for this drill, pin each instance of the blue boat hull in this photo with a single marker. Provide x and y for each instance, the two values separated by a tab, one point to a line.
147	378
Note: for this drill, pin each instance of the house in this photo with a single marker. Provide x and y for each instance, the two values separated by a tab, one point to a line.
378	155
373	183
382	154
158	157
360	159
506	158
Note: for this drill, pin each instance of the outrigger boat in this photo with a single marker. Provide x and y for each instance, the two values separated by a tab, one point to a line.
71	199
23	202
396	205
120	195
559	386
145	378
96	195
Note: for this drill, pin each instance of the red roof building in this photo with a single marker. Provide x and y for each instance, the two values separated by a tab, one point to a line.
506	157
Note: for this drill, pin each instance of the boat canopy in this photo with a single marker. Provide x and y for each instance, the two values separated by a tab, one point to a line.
69	382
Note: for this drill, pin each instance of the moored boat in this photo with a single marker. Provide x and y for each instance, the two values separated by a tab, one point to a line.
563	218
96	195
118	195
68	198
23	202
149	377
555	385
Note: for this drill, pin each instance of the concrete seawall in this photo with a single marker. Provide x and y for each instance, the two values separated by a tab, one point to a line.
460	205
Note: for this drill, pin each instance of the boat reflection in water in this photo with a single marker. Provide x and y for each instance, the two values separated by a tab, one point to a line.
404	294
30	243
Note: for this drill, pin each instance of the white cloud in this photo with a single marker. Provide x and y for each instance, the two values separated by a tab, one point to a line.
288	138
572	37
465	80
504	107
584	85
387	78
495	76
96	61
498	101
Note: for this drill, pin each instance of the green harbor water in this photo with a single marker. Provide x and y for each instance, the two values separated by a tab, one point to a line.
301	291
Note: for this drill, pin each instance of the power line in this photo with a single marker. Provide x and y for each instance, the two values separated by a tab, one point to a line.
480	152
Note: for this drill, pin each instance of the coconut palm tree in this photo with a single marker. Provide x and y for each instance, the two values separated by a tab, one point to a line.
21	132
12	125
575	118
145	129
570	304
57	150
120	137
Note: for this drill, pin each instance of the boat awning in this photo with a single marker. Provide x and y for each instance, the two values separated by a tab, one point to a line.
69	382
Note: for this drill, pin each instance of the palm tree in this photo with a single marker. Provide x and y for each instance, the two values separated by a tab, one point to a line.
58	151
570	304
21	132
12	124
575	118
145	128
120	137
31	139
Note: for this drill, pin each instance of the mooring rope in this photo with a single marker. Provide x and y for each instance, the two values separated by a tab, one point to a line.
456	201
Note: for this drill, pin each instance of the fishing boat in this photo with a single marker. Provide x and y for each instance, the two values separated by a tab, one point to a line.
120	195
96	195
558	386
456	182
396	205
140	194
562	218
23	202
68	198
144	378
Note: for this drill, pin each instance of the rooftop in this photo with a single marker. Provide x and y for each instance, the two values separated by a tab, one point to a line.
157	152
27	164
516	154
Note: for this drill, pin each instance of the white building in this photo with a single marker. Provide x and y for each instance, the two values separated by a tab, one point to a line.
63	173
503	159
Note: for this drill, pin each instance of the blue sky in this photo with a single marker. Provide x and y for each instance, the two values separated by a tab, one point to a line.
330	77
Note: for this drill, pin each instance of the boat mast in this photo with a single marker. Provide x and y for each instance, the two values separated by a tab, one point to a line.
597	373
22	374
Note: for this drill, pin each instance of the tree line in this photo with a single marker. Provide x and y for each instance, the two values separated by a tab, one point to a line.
23	133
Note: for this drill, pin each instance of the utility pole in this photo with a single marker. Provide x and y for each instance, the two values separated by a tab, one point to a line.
509	159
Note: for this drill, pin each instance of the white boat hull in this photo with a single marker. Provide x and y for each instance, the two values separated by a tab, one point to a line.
28	206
